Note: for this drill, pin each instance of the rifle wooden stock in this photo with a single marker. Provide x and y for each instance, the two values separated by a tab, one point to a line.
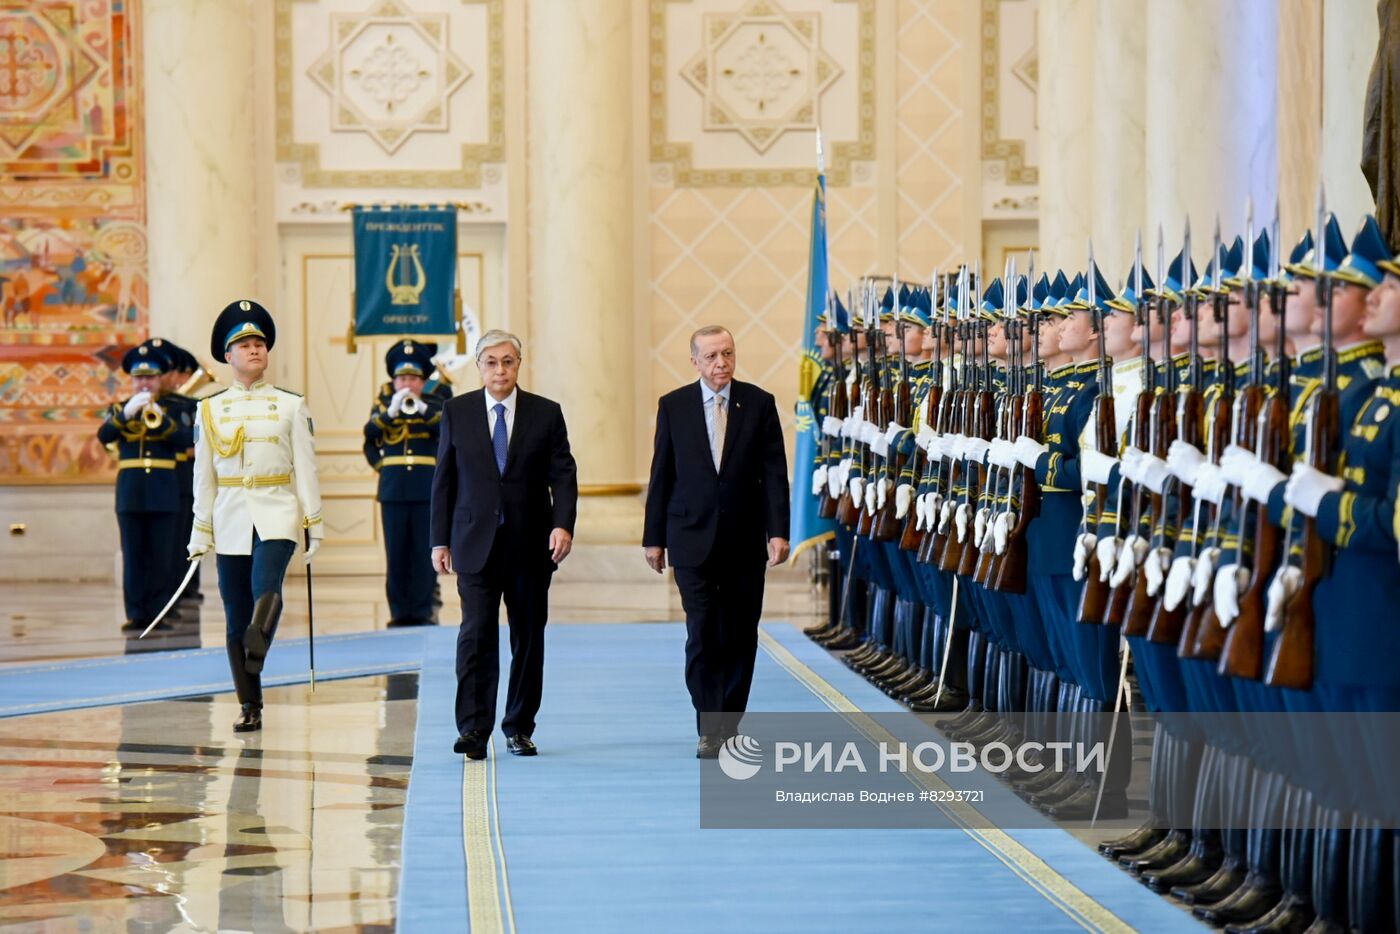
1242	656
949	422
1197	615
1167	623
1142	606
1008	417
839	407
983	404
1011	572
1093	599
1142	439
1291	665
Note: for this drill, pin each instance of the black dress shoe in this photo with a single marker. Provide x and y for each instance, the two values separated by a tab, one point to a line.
1292	915
708	747
1197	865
1246	905
1135	842
1224	885
133	625
1172	848
520	745
251	719
1080	807
472	744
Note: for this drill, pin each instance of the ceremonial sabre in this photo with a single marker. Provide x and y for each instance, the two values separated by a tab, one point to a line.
947	643
194	563
1112	732
310	619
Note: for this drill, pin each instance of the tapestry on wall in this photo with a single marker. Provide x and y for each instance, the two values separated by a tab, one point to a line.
73	292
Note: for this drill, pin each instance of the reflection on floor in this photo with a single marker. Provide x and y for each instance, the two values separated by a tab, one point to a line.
158	817
52	620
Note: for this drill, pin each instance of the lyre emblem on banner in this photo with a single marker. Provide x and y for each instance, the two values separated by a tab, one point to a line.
402	293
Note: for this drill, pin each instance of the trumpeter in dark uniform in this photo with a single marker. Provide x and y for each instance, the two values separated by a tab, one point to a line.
401	439
147	436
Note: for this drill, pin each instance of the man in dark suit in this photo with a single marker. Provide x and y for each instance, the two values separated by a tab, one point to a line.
505	494
718	501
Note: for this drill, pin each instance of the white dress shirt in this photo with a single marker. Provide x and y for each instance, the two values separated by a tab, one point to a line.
509	402
708	395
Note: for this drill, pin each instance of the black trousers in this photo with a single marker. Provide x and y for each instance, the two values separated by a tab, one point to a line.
723	601
147	565
409	580
526	593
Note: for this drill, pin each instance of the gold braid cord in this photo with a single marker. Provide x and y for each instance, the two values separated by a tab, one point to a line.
224	447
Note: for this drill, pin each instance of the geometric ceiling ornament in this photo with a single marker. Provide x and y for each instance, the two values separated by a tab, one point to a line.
44	63
389	73
761	72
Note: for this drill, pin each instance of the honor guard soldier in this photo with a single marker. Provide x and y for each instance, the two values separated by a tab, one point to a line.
182	408
255	493
146	435
401	440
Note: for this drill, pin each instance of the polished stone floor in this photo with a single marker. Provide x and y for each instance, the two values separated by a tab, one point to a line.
158	817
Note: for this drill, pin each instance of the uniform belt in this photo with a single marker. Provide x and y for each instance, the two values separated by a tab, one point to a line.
132	463
408	460
281	479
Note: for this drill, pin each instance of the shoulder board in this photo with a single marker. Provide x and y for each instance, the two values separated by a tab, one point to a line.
213	394
288	391
1373	368
1368	349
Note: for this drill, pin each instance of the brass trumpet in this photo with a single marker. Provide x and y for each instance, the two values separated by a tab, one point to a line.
151	416
197	381
412	405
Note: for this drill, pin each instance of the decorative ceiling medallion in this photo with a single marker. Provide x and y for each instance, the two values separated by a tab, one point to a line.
389	73
43	65
761	72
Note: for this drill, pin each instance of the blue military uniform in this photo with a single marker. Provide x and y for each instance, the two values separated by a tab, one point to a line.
402	449
148	493
183	409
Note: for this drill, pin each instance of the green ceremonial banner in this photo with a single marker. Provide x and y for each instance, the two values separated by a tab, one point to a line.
405	271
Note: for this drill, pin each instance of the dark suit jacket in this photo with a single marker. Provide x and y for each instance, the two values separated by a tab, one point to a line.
537	493
694	512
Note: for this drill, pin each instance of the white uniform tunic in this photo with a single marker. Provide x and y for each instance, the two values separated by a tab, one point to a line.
254	469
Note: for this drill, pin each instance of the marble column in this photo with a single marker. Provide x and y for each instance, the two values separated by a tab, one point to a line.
1350	32
200	169
1119	136
1065	114
1212	91
1299	114
580	215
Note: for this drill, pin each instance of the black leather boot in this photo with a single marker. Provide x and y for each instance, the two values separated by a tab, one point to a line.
250	721
257	639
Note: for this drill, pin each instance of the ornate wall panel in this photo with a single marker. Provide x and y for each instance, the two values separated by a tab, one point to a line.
72	230
1010	77
739	88
930	154
377	96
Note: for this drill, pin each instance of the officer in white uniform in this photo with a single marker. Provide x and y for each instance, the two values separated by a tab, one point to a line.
255	493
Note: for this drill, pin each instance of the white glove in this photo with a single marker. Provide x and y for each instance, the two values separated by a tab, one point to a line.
819	481
979	526
870	497
197	551
1307	486
311	549
1131	460
1183	460
396	403
960	520
1095	467
836	480
878	445
1281	589
848	428
1261	482
1178	581
1230	582
1083	546
1001	531
1210	484
831	426
1130	555
857	488
1152	473
1107	550
957	447
1204	575
894	430
870	433
903	496
1154	565
1028	451
924	437
920	511
1002	453
977	449
135	404
945	514
1236	463
941	447
882	492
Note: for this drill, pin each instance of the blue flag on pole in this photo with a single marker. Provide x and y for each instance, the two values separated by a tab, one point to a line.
809	528
405	271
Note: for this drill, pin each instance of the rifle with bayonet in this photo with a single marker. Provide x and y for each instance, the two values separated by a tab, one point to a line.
1023	494
914	534
887	523
871	393
1008	408
837	406
1242	655
949	468
1093	603
848	511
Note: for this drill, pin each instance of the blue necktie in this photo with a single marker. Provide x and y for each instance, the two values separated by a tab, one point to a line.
498	437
